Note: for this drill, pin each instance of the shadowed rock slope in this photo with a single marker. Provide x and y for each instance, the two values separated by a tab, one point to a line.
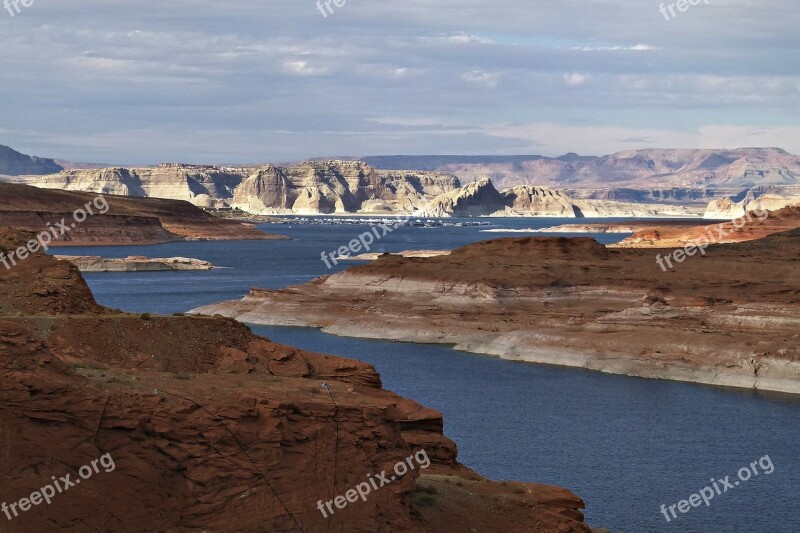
753	226
13	163
729	317
126	221
212	428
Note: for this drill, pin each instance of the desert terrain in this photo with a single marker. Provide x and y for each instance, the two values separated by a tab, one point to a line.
214	428
728	316
126	220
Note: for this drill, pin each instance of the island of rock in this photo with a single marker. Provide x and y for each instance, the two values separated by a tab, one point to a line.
135	263
213	428
726	317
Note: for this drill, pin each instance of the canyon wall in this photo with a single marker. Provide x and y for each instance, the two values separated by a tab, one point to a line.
125	220
340	187
726	317
13	163
720	182
210	427
770	198
680	170
321	187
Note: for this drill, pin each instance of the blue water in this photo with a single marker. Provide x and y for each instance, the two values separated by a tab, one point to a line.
268	264
625	445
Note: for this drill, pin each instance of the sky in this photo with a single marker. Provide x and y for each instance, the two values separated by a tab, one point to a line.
250	81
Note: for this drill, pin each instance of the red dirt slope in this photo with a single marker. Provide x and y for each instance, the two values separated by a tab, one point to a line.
129	220
214	429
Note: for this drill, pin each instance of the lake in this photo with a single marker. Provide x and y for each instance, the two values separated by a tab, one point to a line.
625	445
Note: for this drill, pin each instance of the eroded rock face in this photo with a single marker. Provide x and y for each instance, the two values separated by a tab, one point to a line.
527	200
202	185
327	187
211	427
335	187
482	199
314	187
475	199
121	220
683	174
88	263
729	316
759	198
13	163
265	191
751	226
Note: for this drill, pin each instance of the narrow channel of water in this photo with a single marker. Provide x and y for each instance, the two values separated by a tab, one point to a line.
625	445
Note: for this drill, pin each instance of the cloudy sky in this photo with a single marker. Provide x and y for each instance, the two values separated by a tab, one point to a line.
246	81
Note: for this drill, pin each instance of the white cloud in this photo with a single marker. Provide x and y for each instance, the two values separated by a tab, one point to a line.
465	38
209	82
555	139
486	79
576	79
641	47
303	68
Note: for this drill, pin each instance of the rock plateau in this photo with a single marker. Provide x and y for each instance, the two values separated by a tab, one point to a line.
728	317
212	428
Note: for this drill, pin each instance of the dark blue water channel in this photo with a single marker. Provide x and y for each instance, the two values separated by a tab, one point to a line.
625	445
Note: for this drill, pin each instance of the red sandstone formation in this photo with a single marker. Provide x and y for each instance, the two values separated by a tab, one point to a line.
729	317
129	220
755	225
212	428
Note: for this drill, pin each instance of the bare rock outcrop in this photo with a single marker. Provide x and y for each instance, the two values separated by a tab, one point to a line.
327	187
475	199
267	191
683	176
135	263
751	226
121	220
758	198
13	163
339	187
213	428
313	187
527	200
205	186
729	317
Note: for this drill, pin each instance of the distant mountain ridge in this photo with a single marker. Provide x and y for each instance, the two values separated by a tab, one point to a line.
13	163
636	183
434	162
339	187
312	187
633	169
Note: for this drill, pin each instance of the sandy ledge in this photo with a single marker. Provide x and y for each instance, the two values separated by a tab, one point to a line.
552	349
135	263
730	317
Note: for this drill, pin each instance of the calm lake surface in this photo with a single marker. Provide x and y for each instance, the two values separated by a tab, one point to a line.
625	445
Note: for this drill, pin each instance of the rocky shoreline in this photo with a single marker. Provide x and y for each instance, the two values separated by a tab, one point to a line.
613	227
177	400
728	318
372	256
135	263
127	221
